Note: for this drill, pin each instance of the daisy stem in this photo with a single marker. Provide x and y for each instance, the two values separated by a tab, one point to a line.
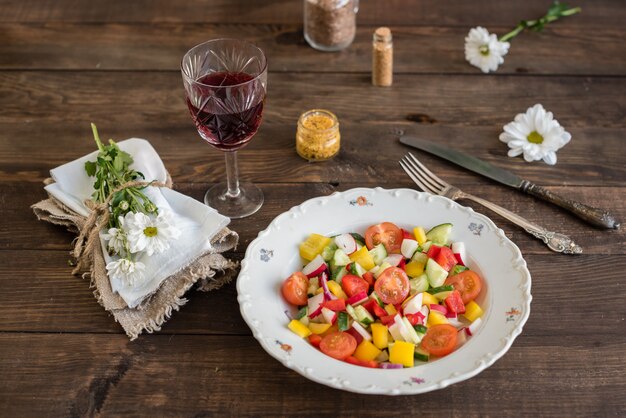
556	11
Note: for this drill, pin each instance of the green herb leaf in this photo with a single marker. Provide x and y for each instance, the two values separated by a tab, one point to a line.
90	168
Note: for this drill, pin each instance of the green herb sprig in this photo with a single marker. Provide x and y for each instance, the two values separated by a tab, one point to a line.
111	170
556	11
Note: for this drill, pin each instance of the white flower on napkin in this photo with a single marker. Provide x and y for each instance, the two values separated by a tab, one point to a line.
116	238
536	134
150	234
127	271
484	50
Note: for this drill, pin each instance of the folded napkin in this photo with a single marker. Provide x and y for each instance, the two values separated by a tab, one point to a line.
195	255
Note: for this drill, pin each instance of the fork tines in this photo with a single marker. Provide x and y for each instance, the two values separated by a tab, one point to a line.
422	176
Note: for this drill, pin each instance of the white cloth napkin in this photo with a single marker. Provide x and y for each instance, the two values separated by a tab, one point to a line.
197	222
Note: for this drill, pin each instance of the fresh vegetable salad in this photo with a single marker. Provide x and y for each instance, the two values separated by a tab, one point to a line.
386	299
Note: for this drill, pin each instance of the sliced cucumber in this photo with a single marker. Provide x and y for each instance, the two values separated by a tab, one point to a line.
420	329
457	269
419	284
351	312
442	295
383	267
341	258
421	355
420	257
343	322
364	317
304	311
439	234
414	337
436	274
445	288
378	253
342	272
356	269
426	246
328	252
377	299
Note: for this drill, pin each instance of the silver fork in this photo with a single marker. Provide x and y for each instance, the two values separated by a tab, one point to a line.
430	183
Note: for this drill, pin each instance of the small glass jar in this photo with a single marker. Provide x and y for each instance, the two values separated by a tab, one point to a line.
382	57
317	135
330	25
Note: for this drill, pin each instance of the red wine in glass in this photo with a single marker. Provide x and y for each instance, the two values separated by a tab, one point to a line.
226	118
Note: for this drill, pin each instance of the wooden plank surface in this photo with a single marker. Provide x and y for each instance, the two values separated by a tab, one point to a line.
186	376
64	64
597	13
424	49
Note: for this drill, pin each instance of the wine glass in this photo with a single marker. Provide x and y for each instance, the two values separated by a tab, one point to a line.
225	84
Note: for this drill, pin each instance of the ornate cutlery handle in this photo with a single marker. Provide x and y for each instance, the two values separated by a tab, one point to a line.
595	216
555	241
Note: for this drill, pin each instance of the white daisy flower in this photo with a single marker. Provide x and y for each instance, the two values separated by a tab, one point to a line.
116	238
484	50
127	271
536	134
150	234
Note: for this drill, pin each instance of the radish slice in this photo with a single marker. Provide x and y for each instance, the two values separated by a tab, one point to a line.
329	316
346	242
439	308
451	315
408	248
315	267
455	323
357	299
394	259
424	311
406	335
315	305
358	337
474	326
391	366
323	278
414	305
358	328
458	248
395	332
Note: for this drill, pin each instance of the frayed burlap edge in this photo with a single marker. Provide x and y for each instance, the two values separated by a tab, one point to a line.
211	271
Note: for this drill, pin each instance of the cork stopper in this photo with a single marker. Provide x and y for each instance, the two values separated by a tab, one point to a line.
382	34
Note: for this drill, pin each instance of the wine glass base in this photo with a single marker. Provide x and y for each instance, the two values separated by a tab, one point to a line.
248	201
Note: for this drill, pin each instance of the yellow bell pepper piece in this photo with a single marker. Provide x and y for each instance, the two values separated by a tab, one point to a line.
436	318
380	335
318	328
420	235
366	351
472	311
335	289
402	352
414	268
428	299
313	245
299	328
391	310
364	258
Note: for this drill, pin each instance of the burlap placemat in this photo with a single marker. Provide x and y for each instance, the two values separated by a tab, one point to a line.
211	271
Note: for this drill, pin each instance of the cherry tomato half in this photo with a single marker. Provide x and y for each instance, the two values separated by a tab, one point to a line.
338	345
440	340
385	233
392	286
294	289
468	283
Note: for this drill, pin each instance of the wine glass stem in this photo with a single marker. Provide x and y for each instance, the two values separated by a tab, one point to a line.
232	174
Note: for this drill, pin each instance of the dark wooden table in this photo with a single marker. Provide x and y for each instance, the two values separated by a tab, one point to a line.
64	64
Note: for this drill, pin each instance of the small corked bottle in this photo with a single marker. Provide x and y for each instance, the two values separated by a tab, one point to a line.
382	57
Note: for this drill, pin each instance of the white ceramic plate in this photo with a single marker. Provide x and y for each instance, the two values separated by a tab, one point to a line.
273	256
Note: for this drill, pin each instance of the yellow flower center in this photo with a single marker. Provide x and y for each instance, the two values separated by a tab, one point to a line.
535	137
484	50
150	231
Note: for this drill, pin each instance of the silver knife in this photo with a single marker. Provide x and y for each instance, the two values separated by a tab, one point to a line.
594	216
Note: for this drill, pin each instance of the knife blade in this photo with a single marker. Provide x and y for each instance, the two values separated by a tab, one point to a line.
594	216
